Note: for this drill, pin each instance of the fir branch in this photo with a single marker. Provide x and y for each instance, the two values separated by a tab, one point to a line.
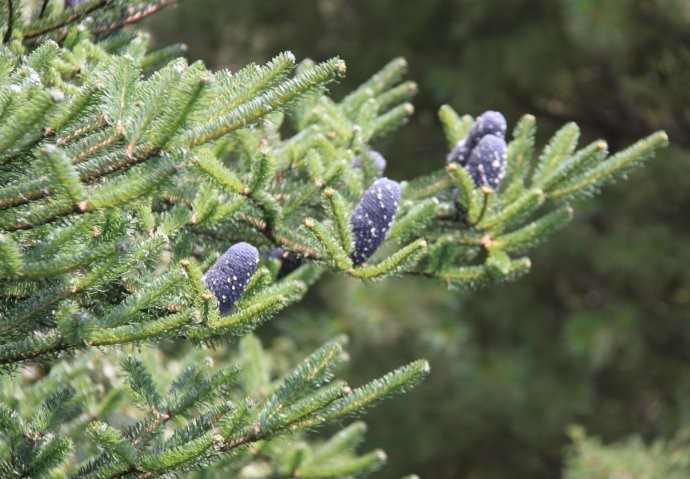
105	140
90	126
34	346
561	146
10	256
37	269
262	172
181	103
327	114
591	155
427	186
112	441
300	410
340	213
251	81
326	237
395	263
392	120
11	423
148	331
389	75
252	110
417	217
362	465
614	166
288	239
534	232
399	94
52	453
520	150
394	382
67	20
222	176
254	367
186	395
150	295
313	371
520	208
455	127
134	15
20	122
246	317
136	183
18	194
466	195
65	174
473	276
141	383
345	440
172	458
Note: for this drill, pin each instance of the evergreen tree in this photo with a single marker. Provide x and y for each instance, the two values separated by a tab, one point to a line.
596	334
141	199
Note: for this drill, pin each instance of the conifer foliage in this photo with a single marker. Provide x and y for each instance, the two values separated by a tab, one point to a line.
144	199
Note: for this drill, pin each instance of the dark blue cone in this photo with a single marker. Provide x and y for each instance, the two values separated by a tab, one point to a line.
488	123
229	276
289	261
379	161
487	163
373	217
460	154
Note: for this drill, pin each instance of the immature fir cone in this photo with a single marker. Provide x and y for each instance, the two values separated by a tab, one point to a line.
229	276
289	261
460	153
373	217
379	161
488	123
487	163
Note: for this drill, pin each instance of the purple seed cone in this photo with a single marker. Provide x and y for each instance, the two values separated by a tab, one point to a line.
487	163
230	274
289	261
460	154
373	217
488	123
379	161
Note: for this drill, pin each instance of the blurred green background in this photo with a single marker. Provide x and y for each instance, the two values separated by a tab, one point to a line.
598	334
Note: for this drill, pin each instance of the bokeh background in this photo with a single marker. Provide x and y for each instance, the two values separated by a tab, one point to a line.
598	335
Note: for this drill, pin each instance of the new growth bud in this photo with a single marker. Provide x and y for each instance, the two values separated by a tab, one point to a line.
377	158
487	163
373	218
230	274
289	261
488	123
